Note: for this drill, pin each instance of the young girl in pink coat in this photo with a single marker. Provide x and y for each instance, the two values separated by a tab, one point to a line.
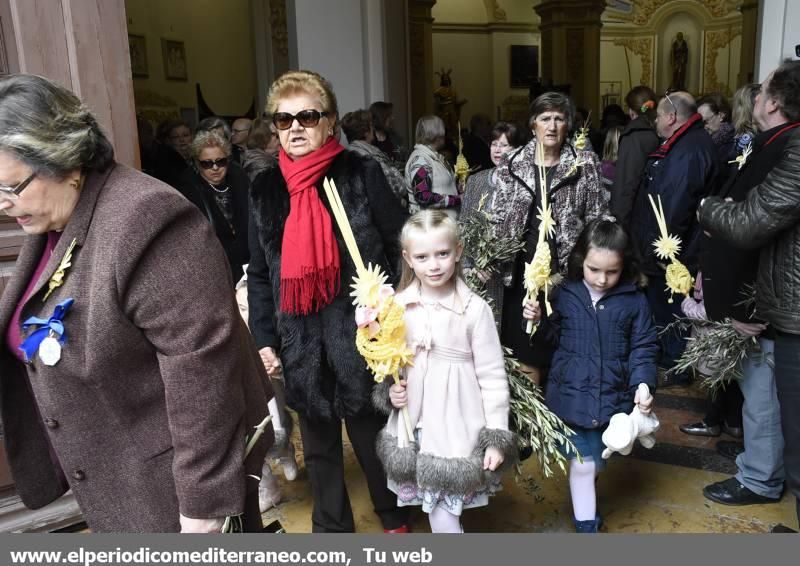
456	393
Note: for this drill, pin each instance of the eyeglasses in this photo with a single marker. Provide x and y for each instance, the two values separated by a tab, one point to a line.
306	118
209	164
666	95
12	193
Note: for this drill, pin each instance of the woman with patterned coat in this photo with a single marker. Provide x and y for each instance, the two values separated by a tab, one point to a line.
576	196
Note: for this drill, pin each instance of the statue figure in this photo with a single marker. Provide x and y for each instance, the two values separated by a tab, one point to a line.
679	58
448	106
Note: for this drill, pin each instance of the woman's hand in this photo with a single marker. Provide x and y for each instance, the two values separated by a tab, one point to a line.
645	405
398	395
492	459
189	525
272	363
532	311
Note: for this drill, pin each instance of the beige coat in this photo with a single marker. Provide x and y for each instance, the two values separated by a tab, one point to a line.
159	381
457	391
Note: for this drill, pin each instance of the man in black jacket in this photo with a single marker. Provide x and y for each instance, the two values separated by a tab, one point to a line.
680	172
769	220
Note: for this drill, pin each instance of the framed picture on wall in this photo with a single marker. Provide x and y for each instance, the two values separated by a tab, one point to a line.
174	60
524	65
137	46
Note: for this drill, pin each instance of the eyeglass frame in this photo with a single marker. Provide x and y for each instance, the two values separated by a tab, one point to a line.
666	95
12	193
322	114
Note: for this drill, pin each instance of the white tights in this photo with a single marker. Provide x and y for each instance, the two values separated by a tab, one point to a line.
582	489
443	521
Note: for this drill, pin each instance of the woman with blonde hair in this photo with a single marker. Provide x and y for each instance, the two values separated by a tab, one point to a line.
298	283
742	115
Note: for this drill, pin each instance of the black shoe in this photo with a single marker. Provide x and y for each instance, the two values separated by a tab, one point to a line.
734	431
731	492
700	429
781	529
730	448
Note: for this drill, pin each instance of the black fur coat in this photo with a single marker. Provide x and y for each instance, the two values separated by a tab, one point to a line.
326	377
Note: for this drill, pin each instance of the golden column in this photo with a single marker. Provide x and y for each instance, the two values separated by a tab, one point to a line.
420	47
747	61
571	48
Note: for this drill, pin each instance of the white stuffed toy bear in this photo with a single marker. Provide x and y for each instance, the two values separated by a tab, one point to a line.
623	429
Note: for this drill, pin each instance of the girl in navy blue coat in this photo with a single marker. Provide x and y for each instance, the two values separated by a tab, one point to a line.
607	346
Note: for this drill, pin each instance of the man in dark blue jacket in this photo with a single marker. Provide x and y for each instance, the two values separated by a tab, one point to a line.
683	170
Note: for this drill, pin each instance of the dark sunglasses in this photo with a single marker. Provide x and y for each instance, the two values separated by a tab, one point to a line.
209	164
306	118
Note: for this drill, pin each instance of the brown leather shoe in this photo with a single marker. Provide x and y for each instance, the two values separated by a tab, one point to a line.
700	429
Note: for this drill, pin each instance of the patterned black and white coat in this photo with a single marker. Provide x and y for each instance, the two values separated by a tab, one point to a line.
326	377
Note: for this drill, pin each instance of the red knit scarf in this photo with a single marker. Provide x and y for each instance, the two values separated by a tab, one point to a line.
309	254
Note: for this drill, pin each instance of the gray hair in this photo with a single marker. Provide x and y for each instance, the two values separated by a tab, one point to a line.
428	129
553	102
209	138
212	123
47	127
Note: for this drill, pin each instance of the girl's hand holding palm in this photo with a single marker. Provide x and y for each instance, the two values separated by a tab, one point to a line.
532	311
492	458
398	395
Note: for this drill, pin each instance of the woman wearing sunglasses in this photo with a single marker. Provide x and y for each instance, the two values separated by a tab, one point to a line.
127	374
218	187
298	281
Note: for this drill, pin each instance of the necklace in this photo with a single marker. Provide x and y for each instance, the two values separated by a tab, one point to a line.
220	191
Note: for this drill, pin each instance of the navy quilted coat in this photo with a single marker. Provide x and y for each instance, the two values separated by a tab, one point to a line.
603	353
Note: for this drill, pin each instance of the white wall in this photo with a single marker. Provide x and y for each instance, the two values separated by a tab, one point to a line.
330	42
459	11
469	55
778	33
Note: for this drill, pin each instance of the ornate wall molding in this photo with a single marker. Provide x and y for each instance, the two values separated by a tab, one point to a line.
644	9
714	41
277	21
643	48
494	11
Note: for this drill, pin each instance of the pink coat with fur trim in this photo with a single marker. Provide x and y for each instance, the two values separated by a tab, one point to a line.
457	385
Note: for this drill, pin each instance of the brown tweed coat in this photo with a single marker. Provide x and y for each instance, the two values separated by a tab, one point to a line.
159	380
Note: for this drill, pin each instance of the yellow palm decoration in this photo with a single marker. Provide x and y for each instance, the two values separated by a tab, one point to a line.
385	351
367	285
537	273
583	134
462	166
667	246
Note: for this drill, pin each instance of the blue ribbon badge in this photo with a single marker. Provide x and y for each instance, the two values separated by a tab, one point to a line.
48	335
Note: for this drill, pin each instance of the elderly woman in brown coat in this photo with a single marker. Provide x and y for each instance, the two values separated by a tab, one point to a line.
126	373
